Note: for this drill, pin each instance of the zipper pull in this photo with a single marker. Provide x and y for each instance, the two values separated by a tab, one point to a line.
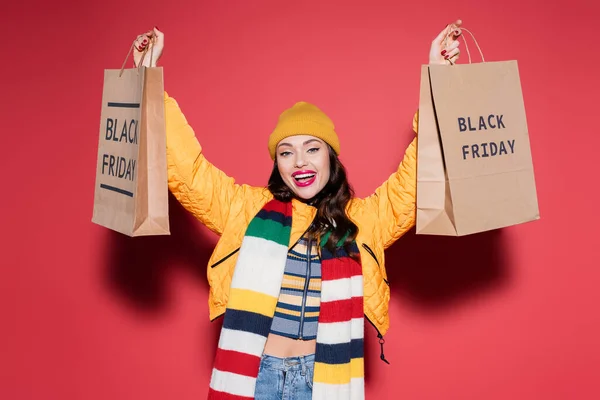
381	343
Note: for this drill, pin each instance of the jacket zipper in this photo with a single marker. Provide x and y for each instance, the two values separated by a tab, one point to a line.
381	340
368	249
225	258
305	293
238	249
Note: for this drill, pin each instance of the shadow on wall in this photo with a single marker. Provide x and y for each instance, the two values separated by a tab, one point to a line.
138	268
138	271
436	273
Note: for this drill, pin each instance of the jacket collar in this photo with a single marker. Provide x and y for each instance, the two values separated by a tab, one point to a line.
302	216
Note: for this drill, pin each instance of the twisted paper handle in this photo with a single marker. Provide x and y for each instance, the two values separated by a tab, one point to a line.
458	32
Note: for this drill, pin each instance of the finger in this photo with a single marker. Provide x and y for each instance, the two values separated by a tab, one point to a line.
455	26
160	36
141	42
141	47
457	23
452	54
446	49
442	35
453	45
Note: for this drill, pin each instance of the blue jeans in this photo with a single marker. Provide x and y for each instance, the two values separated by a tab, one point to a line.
285	378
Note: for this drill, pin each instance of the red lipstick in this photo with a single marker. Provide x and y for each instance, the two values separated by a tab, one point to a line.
304	178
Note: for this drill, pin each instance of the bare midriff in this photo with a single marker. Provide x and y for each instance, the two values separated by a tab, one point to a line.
281	346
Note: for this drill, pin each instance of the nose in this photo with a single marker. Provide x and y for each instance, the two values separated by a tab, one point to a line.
300	161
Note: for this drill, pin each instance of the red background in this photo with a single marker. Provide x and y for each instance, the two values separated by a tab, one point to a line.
90	314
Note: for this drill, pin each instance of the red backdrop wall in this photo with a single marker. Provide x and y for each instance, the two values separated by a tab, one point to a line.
90	314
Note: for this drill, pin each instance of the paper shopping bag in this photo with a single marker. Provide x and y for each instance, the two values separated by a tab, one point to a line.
474	164
131	193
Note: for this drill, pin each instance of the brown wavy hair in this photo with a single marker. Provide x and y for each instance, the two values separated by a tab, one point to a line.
331	203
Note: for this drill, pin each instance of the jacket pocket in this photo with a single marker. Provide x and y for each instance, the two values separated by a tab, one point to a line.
372	253
222	260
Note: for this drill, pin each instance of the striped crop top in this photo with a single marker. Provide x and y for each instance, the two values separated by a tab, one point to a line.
299	300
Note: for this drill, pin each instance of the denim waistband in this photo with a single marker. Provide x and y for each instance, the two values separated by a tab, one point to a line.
288	363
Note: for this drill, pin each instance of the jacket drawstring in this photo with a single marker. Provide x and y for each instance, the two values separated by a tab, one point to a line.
381	340
381	343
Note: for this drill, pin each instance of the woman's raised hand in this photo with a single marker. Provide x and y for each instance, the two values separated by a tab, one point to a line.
444	48
154	43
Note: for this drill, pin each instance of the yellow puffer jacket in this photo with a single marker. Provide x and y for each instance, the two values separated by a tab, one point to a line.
226	208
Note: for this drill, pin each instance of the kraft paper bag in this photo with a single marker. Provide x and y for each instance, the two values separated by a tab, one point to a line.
474	164
131	192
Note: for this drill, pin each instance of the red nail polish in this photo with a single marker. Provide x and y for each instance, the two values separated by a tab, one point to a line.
443	52
156	27
446	57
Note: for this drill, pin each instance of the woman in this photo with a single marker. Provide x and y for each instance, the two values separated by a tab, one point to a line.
300	263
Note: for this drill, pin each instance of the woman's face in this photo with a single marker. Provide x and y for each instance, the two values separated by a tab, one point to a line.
303	163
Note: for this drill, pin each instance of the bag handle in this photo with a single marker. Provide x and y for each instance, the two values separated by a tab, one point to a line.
152	40
458	32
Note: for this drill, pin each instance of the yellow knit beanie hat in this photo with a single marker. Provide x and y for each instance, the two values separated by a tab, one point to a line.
304	119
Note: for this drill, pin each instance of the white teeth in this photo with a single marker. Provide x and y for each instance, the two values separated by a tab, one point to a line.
302	176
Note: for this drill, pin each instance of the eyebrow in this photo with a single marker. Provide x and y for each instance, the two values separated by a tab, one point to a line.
304	144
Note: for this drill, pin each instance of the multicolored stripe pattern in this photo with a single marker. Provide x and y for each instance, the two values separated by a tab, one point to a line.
339	357
255	288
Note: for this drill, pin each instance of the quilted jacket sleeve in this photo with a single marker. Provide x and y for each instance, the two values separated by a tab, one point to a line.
393	204
202	189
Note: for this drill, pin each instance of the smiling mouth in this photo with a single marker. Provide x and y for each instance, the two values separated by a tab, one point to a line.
304	179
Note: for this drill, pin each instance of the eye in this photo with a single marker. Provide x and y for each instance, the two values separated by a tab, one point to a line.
313	149
285	153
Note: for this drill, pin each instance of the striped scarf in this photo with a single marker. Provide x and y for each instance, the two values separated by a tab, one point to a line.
339	366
